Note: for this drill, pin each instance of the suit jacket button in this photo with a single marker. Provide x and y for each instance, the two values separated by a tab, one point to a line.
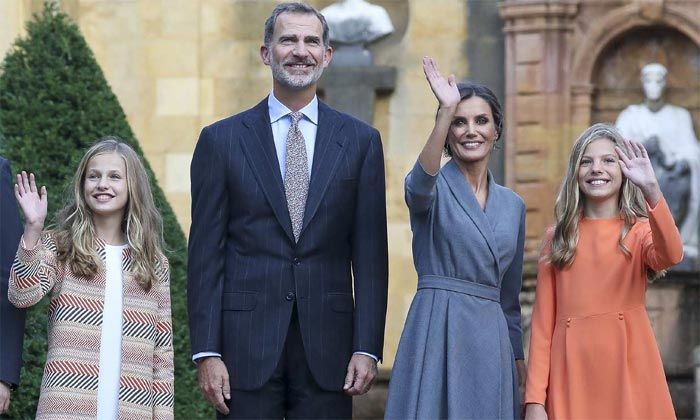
289	297
296	261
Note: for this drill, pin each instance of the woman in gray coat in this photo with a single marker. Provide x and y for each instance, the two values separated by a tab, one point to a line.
461	351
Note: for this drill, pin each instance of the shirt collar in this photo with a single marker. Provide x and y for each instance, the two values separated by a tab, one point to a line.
278	110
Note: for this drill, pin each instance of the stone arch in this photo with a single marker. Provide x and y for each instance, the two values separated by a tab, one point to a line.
615	24
600	35
615	75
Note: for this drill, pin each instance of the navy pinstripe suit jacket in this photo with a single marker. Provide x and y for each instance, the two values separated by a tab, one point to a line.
246	272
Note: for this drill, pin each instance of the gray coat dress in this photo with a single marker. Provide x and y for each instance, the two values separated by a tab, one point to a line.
456	357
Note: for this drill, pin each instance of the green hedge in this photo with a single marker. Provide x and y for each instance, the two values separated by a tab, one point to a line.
54	103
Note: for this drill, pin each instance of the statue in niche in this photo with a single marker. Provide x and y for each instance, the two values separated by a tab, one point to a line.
357	22
667	133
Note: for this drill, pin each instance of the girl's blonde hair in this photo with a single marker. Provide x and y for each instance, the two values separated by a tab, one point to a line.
569	205
142	223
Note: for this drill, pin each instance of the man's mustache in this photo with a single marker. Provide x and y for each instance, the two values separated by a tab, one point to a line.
291	63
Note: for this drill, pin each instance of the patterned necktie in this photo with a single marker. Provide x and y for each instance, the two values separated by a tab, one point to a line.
296	176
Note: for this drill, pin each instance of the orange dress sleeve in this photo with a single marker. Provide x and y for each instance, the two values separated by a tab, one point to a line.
543	321
662	246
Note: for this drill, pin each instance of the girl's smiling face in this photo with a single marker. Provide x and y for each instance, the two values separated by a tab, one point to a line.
599	173
105	185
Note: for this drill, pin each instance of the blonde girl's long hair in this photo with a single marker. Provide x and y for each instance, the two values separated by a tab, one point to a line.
569	204
142	224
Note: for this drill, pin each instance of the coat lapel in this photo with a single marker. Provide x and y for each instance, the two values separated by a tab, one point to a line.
259	148
327	151
464	195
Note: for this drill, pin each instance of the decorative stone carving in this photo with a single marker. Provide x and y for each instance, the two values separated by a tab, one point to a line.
674	179
357	22
667	130
651	9
354	24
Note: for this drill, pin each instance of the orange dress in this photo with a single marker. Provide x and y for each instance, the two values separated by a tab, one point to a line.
592	351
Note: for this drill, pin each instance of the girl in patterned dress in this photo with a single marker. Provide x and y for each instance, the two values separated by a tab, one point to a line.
110	332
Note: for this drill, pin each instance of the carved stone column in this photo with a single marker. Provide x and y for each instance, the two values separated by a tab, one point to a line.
537	114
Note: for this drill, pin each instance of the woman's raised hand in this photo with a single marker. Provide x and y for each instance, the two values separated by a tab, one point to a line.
33	201
636	166
445	89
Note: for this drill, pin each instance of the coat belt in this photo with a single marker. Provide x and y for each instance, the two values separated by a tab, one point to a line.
460	286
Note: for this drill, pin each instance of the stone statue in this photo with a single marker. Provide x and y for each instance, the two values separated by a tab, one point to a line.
357	22
674	177
667	133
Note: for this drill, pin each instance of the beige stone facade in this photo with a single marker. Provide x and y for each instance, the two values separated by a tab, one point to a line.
178	65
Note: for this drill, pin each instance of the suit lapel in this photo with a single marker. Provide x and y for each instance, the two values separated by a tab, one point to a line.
464	195
259	148
327	151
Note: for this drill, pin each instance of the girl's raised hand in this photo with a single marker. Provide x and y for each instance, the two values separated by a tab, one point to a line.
33	201
636	166
445	89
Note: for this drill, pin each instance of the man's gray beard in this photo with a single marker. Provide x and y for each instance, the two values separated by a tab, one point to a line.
295	82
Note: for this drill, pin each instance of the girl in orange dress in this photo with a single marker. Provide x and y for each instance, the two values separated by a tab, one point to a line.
592	352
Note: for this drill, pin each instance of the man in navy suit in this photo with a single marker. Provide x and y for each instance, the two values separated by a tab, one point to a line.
11	318
288	220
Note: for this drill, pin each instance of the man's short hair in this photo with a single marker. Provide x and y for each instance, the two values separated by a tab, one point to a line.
293	7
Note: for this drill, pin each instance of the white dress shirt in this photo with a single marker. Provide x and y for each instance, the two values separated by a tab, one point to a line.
280	122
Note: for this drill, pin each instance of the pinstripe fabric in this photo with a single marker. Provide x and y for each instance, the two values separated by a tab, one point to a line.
69	385
246	271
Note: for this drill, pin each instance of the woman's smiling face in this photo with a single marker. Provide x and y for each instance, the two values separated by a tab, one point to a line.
473	131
